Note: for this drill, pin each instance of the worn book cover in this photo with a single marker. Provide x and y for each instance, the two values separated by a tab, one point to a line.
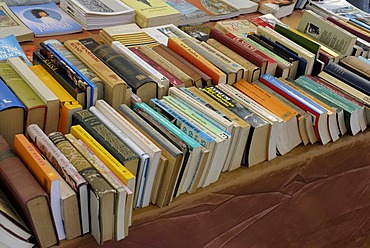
46	19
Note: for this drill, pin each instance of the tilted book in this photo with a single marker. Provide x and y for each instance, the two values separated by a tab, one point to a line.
189	14
46	19
10	47
216	9
33	204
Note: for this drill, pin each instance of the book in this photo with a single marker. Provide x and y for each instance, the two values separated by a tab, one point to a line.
153	13
124	196
189	14
356	65
101	195
173	80
173	154
10	47
195	58
33	204
95	14
41	170
267	20
9	239
143	187
160	79
244	49
12	221
350	28
67	106
12	114
117	168
321	126
12	25
239	28
35	107
244	7
68	172
141	84
257	144
46	19
46	95
115	88
146	146
58	74
76	76
278	9
216	9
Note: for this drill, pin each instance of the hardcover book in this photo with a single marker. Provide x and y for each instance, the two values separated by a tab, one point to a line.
151	13
9	47
12	114
277	8
46	19
33	204
10	24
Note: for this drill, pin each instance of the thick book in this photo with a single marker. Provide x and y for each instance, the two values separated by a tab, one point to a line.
33	204
102	195
41	170
244	49
12	25
153	13
12	114
58	74
143	187
35	107
124	196
142	85
321	126
67	104
170	151
46	95
46	19
115	88
68	172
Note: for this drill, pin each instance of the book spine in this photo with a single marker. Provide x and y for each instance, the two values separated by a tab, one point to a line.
345	26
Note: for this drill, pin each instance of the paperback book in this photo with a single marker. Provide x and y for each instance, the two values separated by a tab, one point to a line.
46	19
9	47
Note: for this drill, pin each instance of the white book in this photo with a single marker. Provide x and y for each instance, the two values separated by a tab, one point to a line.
144	158
161	80
8	239
69	172
243	6
122	202
46	95
140	139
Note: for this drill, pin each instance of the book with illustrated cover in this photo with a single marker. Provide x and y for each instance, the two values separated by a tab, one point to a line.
189	13
216	9
10	47
46	19
11	24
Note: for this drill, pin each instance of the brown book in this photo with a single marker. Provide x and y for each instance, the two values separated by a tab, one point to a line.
27	195
357	66
201	79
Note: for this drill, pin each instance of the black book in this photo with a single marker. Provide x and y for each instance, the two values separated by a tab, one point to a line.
142	85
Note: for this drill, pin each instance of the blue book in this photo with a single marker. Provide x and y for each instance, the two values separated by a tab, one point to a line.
12	114
195	148
10	47
46	19
360	23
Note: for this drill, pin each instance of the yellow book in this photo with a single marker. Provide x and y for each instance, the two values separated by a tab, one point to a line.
117	168
68	105
151	13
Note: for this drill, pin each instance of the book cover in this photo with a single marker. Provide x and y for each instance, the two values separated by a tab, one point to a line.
33	204
267	20
149	13
277	8
189	13
10	47
12	114
10	24
216	9
46	19
239	28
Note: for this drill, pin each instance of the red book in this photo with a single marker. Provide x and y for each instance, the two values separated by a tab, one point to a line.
241	47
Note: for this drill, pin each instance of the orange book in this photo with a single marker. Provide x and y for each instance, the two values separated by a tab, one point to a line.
44	174
175	44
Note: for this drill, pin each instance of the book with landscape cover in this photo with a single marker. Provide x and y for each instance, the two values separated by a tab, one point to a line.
151	13
102	195
35	107
12	114
41	170
115	88
10	24
33	204
46	19
189	13
67	106
141	84
216	9
65	169
10	47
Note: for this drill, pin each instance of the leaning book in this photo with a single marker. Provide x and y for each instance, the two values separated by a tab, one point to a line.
46	19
